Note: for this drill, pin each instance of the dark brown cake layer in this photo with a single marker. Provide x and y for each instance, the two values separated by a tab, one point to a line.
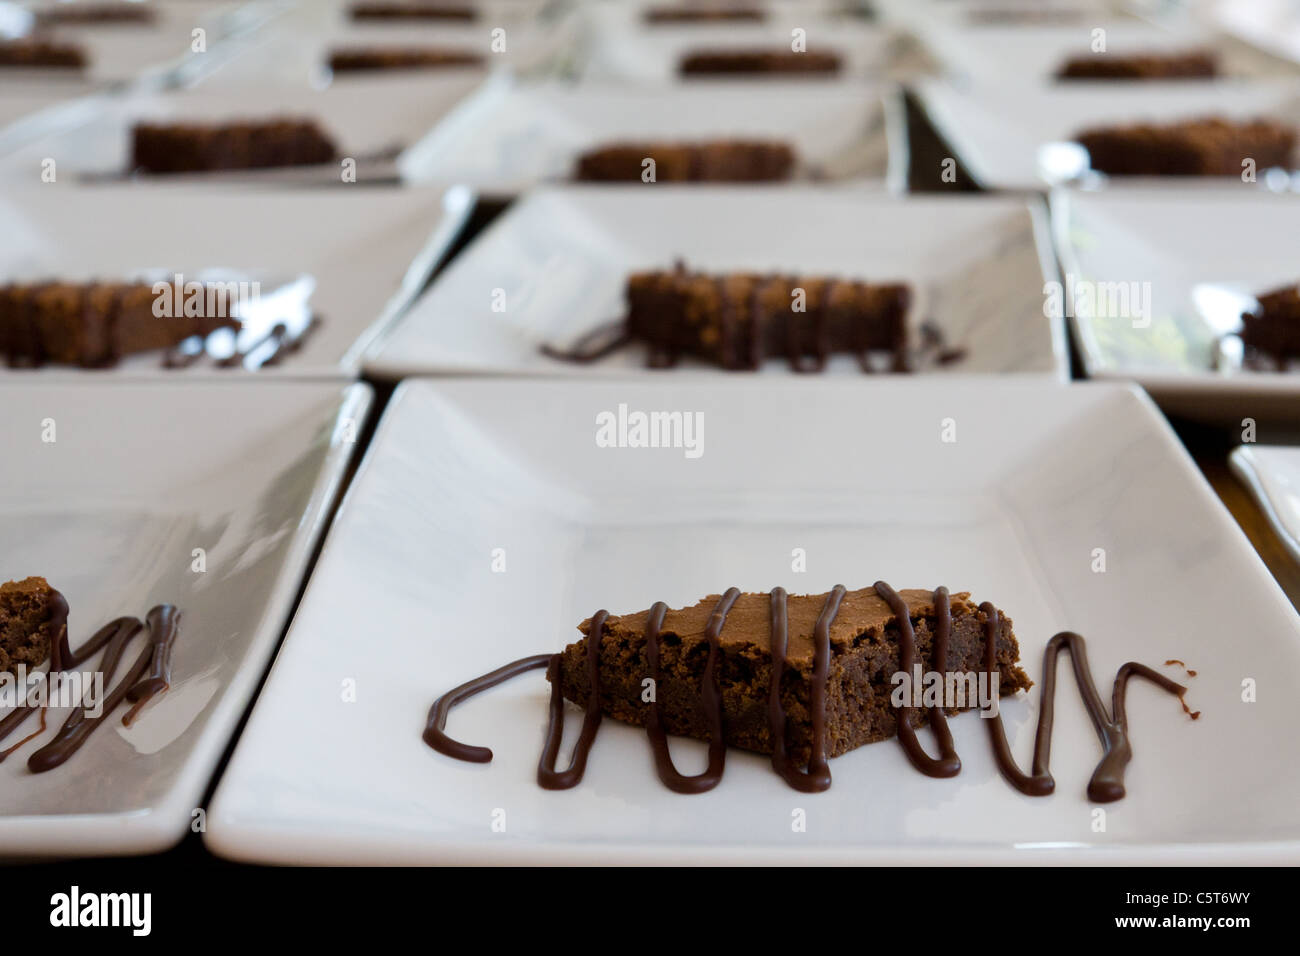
777	60
864	658
718	161
39	52
26	611
1273	327
703	14
1194	64
737	320
91	324
357	59
90	13
398	10
202	147
1210	146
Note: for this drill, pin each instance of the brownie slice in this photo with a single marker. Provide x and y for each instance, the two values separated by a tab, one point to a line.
777	60
738	320
357	59
202	147
31	615
397	10
1210	146
703	14
864	658
716	161
1195	64
39	52
1272	328
92	324
90	13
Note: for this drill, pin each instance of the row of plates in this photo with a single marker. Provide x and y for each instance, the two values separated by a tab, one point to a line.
983	268
485	523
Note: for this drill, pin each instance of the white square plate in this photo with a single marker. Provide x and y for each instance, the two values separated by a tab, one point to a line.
110	513
361	255
1010	55
561	257
122	52
404	605
1021	138
1272	473
370	119
620	46
1197	255
509	136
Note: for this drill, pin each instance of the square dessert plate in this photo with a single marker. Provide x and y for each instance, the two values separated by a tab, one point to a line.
1189	261
210	497
123	51
487	521
1009	55
620	46
1272	25
510	136
1021	137
371	120
1272	474
561	257
352	257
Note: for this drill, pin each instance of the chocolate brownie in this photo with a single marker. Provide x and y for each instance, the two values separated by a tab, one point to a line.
739	319
703	14
91	13
39	52
92	324
397	10
864	657
776	60
1272	329
202	147
29	621
1211	146
716	161
356	59
1195	64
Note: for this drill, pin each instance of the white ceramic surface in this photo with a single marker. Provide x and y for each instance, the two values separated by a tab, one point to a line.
1195	257
363	254
562	255
510	136
1272	473
1021	137
331	767
620	46
371	120
110	512
1011	55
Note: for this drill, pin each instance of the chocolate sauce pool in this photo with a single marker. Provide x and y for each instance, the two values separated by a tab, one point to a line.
1106	785
148	676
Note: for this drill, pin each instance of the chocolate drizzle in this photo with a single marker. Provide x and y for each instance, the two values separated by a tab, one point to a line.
1106	785
147	677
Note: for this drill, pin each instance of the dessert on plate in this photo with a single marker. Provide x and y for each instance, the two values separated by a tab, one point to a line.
1192	64
247	144
731	161
1209	146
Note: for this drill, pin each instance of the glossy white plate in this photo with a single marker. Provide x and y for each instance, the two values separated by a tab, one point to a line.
1272	473
360	255
1192	257
1010	55
619	46
111	512
370	119
464	475
1021	137
562	255
510	136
